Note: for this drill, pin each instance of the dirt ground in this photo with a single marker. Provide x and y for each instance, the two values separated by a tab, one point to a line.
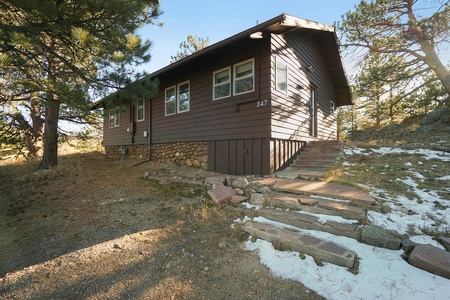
94	228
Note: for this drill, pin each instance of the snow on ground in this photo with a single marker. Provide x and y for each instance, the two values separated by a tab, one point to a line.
383	274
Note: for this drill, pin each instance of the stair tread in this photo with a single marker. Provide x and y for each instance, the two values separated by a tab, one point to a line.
312	222
326	189
304	243
318	205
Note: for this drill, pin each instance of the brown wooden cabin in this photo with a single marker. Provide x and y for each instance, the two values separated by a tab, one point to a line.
245	105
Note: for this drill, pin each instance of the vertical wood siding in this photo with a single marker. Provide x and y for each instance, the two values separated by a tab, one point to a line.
291	112
240	156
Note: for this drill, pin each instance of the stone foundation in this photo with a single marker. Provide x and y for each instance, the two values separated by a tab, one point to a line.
133	151
192	154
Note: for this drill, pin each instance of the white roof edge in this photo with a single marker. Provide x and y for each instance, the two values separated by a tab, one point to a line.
292	21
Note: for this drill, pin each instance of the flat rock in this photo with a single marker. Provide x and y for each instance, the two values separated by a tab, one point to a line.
303	243
380	237
215	178
431	259
236	199
221	193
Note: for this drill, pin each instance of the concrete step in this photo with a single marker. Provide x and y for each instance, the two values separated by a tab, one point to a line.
305	244
311	222
318	206
325	189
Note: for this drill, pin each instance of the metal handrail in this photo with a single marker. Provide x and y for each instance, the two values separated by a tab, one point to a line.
293	135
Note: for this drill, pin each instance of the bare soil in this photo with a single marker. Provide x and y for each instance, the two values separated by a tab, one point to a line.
94	228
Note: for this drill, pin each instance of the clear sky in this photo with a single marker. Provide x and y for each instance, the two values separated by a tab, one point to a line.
218	20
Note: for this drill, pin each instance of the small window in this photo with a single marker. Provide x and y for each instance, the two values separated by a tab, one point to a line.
170	101
281	74
222	84
114	117
244	77
183	97
332	107
141	110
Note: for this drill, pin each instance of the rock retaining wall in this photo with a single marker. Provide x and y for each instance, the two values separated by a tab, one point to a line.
135	151
192	154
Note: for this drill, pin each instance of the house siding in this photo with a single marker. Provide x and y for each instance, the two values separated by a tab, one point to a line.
214	119
290	113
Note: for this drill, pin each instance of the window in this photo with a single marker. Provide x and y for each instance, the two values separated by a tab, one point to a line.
332	107
171	107
222	84
281	80
140	110
177	98
183	97
114	117
244	77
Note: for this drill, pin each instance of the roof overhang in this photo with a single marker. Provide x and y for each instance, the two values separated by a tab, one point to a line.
281	24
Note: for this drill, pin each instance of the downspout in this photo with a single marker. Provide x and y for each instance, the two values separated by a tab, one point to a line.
150	129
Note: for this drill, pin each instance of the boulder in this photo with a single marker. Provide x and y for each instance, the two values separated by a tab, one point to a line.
380	237
258	199
240	182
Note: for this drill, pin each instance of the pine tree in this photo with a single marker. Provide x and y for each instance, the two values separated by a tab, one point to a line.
413	30
61	53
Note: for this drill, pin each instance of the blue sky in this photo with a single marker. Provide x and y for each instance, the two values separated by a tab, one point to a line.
218	20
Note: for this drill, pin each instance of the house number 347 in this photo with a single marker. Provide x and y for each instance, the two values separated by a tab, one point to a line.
261	103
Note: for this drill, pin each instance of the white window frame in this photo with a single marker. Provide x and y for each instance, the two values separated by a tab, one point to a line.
174	87
179	96
114	116
138	104
222	83
252	75
278	60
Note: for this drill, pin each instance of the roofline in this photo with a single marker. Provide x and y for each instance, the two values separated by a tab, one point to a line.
283	19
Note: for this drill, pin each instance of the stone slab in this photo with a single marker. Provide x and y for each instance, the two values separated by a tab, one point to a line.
303	243
306	221
308	201
221	193
431	259
338	206
328	189
236	199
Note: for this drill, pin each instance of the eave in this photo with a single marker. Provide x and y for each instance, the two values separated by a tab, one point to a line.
280	24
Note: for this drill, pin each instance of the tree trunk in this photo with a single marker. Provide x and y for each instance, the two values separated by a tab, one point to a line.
50	155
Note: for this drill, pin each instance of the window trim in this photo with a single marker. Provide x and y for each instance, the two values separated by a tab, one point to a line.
277	61
221	84
115	116
252	60
178	96
143	110
167	101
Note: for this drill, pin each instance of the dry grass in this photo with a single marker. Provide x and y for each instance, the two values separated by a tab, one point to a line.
383	172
